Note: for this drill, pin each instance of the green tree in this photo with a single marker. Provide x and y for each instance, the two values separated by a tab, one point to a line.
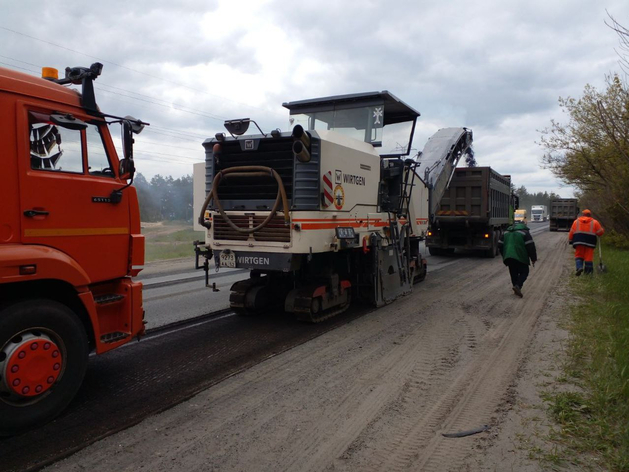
591	151
149	211
164	198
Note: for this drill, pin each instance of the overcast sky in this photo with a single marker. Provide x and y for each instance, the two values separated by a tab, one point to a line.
185	66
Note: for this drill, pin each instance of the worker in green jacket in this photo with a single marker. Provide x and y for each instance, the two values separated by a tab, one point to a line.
517	248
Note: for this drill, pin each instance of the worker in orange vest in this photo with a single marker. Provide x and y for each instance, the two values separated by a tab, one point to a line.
583	236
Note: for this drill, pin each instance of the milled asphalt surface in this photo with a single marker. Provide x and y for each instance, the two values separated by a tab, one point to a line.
125	386
175	291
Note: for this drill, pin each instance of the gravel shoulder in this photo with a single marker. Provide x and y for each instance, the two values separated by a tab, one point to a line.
376	394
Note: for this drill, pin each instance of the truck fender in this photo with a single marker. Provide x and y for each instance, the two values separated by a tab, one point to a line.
26	263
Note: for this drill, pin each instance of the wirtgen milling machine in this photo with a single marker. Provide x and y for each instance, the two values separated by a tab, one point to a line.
326	212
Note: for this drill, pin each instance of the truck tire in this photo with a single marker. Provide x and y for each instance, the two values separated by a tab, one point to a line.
43	358
492	251
435	251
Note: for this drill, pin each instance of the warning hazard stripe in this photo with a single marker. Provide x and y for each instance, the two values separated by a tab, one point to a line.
327	189
314	224
30	233
353	224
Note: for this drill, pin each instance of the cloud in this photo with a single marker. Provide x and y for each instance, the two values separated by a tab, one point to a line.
186	66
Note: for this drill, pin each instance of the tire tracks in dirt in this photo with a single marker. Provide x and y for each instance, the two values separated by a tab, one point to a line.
374	394
474	393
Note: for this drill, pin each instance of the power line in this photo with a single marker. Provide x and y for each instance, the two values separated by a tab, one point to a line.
165	104
155	143
22	62
170	158
16	67
184	133
128	68
182	107
189	140
153	101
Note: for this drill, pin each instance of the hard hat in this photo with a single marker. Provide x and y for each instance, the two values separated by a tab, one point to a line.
587	213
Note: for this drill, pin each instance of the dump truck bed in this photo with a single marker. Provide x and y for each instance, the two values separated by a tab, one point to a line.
476	195
563	211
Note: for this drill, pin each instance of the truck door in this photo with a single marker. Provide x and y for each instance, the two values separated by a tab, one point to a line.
66	178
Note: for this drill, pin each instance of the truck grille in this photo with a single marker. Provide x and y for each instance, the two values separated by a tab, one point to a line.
275	231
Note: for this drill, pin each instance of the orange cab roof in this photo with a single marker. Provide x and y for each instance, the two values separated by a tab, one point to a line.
31	86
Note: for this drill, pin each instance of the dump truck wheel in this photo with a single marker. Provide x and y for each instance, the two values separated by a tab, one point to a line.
435	251
43	358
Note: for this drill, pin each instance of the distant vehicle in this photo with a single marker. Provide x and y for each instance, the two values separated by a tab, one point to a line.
539	213
520	216
563	212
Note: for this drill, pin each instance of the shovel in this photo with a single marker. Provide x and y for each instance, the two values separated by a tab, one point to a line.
601	268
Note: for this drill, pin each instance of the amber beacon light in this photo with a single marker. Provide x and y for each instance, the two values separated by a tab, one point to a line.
49	73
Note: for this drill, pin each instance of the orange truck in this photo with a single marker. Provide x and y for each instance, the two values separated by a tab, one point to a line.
70	241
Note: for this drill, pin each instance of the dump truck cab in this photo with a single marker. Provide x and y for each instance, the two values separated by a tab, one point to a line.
70	241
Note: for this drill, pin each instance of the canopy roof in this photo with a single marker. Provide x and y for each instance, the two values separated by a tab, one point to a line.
395	110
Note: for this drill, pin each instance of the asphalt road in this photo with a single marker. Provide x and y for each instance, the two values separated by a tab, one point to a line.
367	393
169	366
175	295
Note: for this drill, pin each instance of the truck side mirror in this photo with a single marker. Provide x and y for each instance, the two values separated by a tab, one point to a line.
136	125
127	168
127	140
130	126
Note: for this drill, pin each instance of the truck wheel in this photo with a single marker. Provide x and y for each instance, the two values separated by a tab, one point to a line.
491	252
43	358
435	251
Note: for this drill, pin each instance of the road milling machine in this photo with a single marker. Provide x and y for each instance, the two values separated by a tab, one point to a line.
332	210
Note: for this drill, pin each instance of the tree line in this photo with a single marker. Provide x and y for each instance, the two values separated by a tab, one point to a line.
527	200
164	198
590	151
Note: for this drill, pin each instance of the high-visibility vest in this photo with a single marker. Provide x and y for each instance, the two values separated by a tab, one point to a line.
585	233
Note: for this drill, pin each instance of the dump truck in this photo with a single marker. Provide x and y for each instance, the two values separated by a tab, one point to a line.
473	212
70	241
563	212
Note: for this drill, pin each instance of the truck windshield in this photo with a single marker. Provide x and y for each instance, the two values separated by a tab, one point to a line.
363	123
537	212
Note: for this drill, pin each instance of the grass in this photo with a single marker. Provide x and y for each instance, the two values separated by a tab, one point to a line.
170	240
594	416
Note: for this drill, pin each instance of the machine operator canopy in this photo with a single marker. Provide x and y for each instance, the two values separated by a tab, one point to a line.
378	118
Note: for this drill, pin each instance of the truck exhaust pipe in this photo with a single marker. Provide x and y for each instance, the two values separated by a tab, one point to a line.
301	144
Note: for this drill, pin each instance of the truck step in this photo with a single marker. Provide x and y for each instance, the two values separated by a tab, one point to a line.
116	336
108	298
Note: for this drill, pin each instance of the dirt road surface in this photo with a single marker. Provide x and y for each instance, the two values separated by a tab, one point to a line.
375	394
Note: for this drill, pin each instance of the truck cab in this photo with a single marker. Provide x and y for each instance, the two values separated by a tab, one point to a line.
520	216
539	213
70	241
